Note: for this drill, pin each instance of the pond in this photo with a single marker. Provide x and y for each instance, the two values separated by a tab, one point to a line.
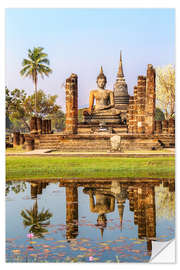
90	221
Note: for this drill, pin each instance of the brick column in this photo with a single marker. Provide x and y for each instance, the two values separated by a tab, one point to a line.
71	104
171	126
130	115
21	139
150	99
71	212
141	95
16	138
157	127
135	111
43	126
39	125
165	126
33	125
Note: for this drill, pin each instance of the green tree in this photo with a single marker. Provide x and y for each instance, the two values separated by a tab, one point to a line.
159	115
37	221
36	64
58	120
20	107
165	90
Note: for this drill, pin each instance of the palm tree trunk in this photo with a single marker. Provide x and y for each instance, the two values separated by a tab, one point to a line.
35	98
35	84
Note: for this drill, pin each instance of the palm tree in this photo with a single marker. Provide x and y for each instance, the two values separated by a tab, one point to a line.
36	64
36	221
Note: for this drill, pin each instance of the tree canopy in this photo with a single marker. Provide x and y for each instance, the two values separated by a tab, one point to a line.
165	90
36	64
20	107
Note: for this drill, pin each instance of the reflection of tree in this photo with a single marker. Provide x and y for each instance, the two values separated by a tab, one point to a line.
165	202
15	187
36	221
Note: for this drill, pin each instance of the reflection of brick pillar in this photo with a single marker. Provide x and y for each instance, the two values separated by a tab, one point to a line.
135	206
131	199
150	99
71	104
141	94
141	213
34	188
71	212
150	212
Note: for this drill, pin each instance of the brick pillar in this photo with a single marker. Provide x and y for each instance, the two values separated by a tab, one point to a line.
33	125
39	125
150	99
165	126
141	95
71	104
130	115
158	127
49	126
16	138
21	139
71	212
43	126
171	126
46	126
135	111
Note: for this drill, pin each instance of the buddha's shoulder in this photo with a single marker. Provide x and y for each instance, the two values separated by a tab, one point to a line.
109	91
98	91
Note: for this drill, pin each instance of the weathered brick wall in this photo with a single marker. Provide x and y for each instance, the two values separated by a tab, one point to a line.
71	104
141	95
71	212
157	127
150	100
171	126
142	119
164	127
135	111
130	115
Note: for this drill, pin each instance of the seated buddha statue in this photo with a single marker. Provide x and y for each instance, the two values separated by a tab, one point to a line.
101	104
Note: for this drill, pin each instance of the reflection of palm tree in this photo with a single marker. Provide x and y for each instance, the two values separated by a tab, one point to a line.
36	221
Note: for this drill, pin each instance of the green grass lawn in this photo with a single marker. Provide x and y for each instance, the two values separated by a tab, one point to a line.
19	168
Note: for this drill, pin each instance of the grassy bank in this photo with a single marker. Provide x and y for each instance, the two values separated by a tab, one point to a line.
95	167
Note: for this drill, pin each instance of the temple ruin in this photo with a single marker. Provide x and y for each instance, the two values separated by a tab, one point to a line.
114	113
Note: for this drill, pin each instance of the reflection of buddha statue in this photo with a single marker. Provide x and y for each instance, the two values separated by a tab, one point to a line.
104	204
101	104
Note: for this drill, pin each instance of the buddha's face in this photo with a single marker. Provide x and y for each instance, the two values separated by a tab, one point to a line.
101	83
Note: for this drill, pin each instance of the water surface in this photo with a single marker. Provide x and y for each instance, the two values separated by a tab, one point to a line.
87	221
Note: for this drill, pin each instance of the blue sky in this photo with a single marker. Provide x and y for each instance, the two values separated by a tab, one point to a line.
81	40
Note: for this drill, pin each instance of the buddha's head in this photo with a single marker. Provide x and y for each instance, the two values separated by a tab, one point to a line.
101	220
101	79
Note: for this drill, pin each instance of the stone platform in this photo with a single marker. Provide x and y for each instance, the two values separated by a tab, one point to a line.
101	142
95	127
